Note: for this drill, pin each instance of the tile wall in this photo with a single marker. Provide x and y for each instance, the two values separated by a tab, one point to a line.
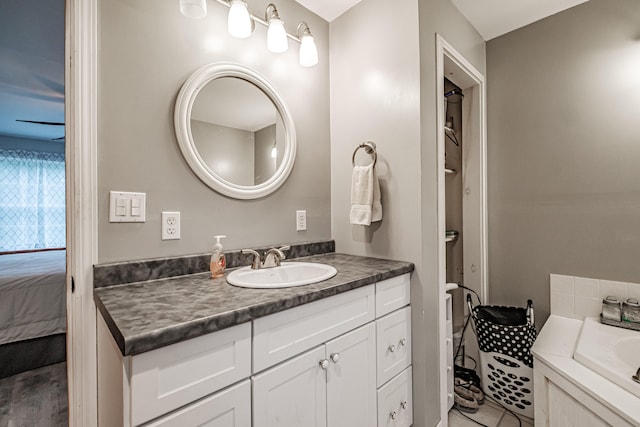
580	297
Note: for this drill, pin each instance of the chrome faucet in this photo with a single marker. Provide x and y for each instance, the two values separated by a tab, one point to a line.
272	258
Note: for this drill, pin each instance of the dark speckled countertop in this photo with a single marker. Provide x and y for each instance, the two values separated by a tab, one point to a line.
144	316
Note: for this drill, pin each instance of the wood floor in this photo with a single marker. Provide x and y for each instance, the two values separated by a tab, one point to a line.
36	398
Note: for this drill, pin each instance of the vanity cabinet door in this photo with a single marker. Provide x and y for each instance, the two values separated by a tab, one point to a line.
395	401
393	337
293	393
228	408
351	379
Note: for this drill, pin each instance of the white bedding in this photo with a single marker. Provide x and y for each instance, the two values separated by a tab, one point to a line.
32	295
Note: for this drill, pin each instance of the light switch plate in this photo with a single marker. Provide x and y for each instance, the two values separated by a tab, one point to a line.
170	225
127	207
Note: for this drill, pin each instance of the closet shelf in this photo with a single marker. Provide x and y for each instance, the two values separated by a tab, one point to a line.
448	171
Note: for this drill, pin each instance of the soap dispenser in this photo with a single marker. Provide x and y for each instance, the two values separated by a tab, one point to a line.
218	260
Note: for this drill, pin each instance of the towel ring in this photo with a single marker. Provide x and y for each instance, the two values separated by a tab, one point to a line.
369	148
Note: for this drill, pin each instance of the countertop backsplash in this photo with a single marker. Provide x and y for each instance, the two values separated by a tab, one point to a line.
160	268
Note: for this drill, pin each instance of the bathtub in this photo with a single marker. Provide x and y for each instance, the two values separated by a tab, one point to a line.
580	370
612	352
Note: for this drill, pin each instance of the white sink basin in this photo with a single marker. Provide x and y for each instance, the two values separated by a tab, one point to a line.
612	352
288	274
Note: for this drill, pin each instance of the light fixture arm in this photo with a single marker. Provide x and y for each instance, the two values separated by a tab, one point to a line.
303	30
271	13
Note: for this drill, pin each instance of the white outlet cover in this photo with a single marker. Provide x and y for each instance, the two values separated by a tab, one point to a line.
170	225
301	220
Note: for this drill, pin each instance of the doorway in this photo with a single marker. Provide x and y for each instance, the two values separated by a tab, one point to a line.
33	318
468	137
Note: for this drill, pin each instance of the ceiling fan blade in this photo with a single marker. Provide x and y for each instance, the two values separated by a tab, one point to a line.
41	123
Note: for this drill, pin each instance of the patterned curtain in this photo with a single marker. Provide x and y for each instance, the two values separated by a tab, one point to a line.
32	200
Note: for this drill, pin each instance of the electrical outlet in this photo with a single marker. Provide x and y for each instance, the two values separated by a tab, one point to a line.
170	225
301	220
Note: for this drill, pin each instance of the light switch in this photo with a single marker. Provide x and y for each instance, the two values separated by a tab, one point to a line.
127	207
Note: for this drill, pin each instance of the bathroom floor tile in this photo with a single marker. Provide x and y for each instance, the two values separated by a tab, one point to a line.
489	414
509	420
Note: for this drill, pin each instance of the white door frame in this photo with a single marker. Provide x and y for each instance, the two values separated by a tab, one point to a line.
82	215
446	52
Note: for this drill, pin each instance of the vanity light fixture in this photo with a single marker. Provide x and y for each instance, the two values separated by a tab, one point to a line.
240	24
276	34
308	49
274	151
195	9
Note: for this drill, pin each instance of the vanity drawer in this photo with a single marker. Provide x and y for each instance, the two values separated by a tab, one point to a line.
395	402
392	294
393	341
282	335
228	408
170	377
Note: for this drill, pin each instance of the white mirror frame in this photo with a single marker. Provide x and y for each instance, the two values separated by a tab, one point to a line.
182	122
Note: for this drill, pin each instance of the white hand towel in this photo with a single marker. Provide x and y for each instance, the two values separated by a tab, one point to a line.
361	195
376	206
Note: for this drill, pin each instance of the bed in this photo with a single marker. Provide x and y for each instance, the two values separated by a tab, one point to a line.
32	298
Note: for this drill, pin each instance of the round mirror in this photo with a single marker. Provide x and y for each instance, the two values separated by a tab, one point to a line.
235	131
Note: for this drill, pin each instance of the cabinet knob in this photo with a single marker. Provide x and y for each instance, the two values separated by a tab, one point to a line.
404	404
392	348
324	364
393	415
335	357
403	342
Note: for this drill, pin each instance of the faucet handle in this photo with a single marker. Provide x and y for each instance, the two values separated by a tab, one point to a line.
282	249
255	262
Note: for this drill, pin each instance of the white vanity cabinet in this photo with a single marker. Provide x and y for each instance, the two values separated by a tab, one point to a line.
228	408
136	389
393	354
355	379
331	385
341	361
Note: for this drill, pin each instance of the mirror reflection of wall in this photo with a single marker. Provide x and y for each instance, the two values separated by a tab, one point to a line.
237	131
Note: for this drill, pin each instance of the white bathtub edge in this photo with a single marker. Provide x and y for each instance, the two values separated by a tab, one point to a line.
554	347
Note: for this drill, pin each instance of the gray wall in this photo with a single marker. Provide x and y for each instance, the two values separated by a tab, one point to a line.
228	152
383	89
147	49
265	165
564	152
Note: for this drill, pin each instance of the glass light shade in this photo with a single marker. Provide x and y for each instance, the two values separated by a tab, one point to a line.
308	51
277	36
239	23
274	152
194	9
